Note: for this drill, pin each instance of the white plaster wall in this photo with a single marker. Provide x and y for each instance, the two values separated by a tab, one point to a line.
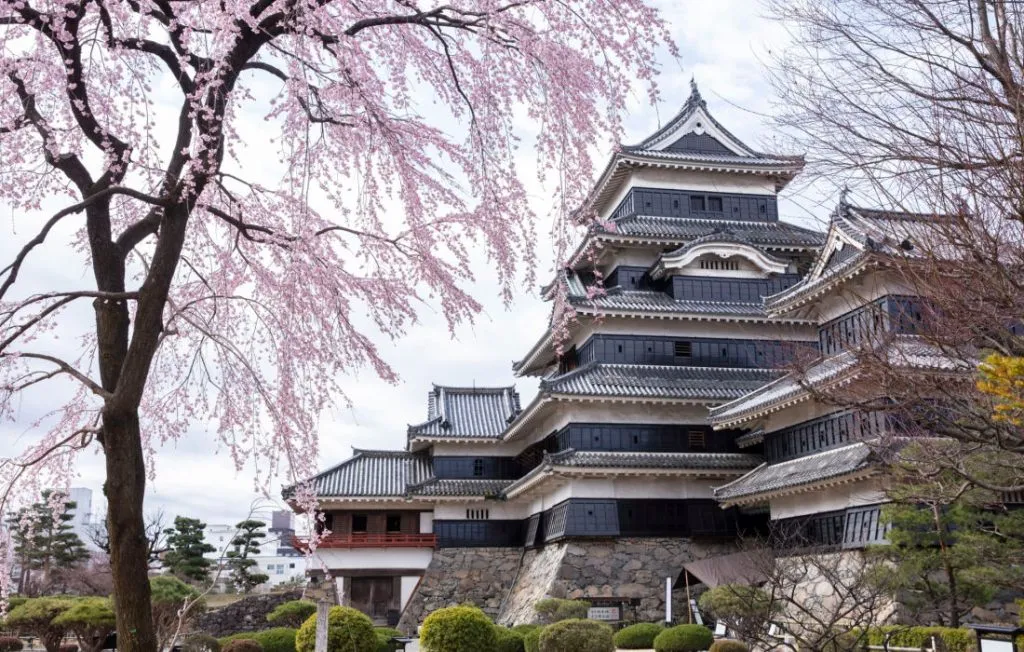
372	558
795	414
649	487
426	522
477	449
409	583
864	289
865	492
633	256
691	180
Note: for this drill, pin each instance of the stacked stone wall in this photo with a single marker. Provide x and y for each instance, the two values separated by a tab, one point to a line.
480	576
247	615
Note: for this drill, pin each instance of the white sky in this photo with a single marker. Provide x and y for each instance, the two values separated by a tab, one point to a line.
725	45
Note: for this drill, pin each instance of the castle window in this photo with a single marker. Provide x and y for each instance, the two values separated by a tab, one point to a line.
683	349
394	523
696	440
715	204
478	467
696	203
359	522
478	514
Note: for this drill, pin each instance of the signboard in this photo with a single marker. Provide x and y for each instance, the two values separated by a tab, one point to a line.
604	613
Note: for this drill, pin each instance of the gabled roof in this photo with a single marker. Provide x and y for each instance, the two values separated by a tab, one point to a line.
722	243
857	238
801	474
697	384
573	462
467	412
693	140
372	473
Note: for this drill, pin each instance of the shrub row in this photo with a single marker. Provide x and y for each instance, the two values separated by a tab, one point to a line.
276	639
684	638
638	637
953	639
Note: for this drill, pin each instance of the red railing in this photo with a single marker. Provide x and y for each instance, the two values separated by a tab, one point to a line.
371	540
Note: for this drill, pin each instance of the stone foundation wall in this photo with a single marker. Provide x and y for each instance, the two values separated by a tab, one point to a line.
536	579
481	576
247	615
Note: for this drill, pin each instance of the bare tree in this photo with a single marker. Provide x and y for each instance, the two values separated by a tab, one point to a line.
812	599
918	105
156	526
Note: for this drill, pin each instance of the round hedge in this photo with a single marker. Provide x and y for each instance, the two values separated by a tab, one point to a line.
384	636
11	644
458	629
509	640
242	645
531	640
348	630
684	638
199	642
728	645
292	613
576	635
637	637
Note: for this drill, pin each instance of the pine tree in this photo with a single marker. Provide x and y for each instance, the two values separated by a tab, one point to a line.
44	540
186	547
245	575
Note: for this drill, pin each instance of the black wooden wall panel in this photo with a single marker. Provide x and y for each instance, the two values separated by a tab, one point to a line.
743	290
703	352
498	468
659	202
644	438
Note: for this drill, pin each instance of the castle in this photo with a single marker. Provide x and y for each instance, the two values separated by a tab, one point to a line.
666	428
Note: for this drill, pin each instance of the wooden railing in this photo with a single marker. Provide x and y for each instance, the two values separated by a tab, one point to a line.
371	540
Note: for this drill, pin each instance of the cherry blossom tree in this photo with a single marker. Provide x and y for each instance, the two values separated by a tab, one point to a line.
222	299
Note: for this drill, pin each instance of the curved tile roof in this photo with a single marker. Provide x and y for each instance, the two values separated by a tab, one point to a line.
459	487
762	234
705	384
470	412
807	470
645	460
373	473
661	302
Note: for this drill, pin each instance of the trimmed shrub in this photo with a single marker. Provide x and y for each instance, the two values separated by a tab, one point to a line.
509	640
728	645
458	629
292	613
953	639
276	639
11	644
552	610
684	638
242	645
526	628
199	642
531	640
638	637
348	630
384	636
576	635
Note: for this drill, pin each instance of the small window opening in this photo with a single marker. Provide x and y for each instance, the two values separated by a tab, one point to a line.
763	208
478	467
359	522
620	348
715	204
697	203
683	349
675	203
696	440
394	523
636	439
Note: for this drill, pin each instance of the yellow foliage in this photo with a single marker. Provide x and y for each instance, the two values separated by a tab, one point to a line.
1002	378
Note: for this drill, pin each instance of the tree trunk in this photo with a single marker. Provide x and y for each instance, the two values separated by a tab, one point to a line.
125	489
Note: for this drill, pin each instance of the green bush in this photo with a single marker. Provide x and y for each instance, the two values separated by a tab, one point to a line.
199	642
348	630
509	640
684	638
10	644
384	636
458	629
526	628
954	640
531	640
637	637
276	639
242	645
552	610
727	645
292	613
576	635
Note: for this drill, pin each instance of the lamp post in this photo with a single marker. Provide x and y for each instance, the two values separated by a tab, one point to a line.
997	638
320	589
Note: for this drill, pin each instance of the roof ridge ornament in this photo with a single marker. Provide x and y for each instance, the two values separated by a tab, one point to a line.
695	95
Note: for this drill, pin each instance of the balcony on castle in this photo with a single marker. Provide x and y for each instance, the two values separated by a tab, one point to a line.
352	540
